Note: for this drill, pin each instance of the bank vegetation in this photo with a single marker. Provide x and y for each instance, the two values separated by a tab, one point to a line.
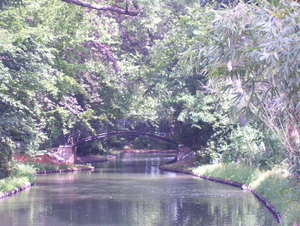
221	77
273	188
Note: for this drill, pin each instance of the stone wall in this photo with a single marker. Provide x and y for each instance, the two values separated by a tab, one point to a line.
182	152
64	154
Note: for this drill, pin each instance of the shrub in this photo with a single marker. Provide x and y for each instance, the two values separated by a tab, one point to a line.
23	170
51	167
63	166
20	175
37	166
243	144
6	147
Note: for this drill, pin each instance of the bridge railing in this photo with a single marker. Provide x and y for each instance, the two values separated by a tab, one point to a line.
123	133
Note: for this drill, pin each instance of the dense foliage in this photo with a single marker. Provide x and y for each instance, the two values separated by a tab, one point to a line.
253	57
224	81
249	58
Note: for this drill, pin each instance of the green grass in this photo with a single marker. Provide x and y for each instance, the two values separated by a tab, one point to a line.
21	175
233	172
283	193
23	170
51	167
9	184
43	167
280	191
64	167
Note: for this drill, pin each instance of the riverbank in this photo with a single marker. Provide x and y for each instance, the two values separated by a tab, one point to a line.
15	190
22	176
279	193
26	168
44	164
273	188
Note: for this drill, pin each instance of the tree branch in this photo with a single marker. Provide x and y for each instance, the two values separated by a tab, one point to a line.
104	7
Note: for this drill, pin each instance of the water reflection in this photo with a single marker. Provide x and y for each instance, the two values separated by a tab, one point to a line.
132	191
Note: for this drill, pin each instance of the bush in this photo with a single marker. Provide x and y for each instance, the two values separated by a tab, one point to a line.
6	148
51	167
37	166
20	175
44	167
23	170
239	144
63	166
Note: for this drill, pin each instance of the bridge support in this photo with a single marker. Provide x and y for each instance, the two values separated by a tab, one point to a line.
182	152
65	154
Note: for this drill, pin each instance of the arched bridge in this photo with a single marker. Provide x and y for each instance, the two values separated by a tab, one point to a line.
68	152
123	133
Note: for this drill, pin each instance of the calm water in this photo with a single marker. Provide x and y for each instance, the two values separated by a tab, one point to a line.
128	192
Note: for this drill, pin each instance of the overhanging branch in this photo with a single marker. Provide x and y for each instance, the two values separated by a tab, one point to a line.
104	7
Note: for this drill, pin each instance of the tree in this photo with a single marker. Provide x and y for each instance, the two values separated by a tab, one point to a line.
252	53
117	9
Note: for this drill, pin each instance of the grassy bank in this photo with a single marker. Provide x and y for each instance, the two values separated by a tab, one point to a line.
52	168
21	176
280	191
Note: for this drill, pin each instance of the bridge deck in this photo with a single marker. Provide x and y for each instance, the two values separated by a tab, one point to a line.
123	133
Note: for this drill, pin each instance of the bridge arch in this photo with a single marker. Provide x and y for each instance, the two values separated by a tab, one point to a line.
123	133
68	152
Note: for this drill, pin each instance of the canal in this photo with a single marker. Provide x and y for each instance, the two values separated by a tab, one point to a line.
131	191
